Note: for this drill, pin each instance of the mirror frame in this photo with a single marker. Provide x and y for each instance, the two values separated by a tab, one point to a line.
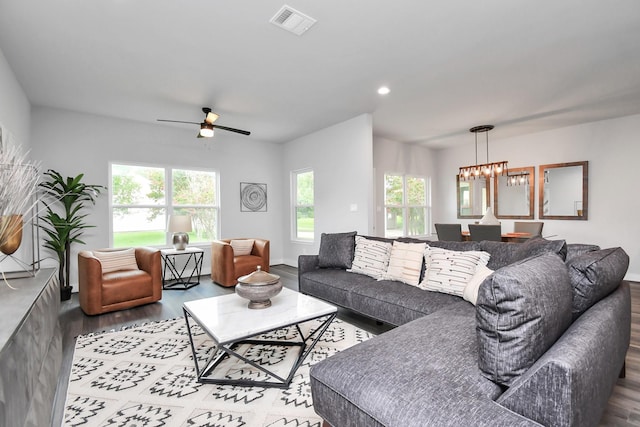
488	196
532	200
585	191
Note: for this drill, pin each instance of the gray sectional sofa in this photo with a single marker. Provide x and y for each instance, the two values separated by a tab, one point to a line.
543	345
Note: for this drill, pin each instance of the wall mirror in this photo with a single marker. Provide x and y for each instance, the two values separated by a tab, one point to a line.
563	191
513	194
472	197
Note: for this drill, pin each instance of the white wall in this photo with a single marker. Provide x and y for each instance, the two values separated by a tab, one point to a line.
73	143
405	159
15	117
15	110
612	149
342	160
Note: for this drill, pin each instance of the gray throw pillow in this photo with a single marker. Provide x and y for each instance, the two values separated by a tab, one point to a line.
594	275
336	250
522	309
577	249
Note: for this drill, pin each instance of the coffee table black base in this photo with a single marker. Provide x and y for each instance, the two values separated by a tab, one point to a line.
226	350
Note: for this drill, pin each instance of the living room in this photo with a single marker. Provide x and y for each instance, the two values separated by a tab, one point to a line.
351	154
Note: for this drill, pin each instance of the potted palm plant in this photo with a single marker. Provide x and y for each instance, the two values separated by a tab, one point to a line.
64	220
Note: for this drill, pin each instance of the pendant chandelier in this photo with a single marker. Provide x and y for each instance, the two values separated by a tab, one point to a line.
484	170
520	178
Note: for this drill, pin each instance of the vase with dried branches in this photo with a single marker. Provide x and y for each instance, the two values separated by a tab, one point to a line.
18	186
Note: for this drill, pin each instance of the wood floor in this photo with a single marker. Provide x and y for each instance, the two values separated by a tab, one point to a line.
623	408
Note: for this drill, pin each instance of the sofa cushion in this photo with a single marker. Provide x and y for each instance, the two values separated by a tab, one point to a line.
405	263
577	249
539	245
521	311
117	260
501	253
371	257
242	247
336	250
450	271
594	275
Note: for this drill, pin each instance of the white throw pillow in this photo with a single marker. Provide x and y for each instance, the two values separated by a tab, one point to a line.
242	246
117	260
471	290
405	263
371	257
450	271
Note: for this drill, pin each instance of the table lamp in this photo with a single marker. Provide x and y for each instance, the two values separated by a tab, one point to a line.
180	225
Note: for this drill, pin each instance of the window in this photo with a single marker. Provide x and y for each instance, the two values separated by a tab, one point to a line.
142	197
406	207
303	212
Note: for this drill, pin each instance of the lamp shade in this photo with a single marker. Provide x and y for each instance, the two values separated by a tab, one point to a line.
179	224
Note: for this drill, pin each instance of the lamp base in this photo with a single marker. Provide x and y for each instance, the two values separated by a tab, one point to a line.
180	241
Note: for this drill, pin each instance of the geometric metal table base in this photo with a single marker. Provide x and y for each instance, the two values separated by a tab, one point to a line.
226	350
175	278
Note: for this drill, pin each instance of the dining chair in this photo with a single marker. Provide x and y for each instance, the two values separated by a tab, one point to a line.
533	228
480	232
449	232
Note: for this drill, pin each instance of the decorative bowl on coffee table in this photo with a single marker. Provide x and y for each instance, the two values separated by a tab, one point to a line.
259	287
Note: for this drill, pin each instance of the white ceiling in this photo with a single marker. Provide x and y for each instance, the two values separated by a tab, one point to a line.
522	65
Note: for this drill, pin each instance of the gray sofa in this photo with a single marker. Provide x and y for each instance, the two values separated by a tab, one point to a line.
544	344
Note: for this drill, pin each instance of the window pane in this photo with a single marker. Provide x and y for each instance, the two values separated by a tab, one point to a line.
193	187
416	189
138	226
394	222
304	188
393	190
304	222
137	185
416	221
203	221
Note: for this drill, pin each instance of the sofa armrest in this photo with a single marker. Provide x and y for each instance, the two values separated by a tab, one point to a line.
261	249
149	260
307	263
222	268
89	282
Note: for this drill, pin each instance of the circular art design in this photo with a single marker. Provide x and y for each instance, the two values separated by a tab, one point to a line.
253	197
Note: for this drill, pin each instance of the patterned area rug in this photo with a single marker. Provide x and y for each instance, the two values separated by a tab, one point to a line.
145	376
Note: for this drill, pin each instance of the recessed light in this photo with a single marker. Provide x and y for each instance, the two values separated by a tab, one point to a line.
383	90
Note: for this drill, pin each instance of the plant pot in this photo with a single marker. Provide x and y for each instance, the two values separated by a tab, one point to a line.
10	233
65	293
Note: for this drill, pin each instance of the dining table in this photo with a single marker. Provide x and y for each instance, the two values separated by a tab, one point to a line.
506	237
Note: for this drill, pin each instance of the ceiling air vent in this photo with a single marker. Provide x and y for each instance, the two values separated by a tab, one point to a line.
292	20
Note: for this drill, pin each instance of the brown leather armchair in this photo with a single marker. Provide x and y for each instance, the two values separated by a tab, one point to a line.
226	267
116	290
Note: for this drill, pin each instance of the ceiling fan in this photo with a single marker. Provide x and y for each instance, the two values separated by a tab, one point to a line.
207	126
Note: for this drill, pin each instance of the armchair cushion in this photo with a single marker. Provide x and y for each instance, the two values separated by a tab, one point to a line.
242	246
117	260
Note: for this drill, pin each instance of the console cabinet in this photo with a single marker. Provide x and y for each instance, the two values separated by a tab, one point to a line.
30	349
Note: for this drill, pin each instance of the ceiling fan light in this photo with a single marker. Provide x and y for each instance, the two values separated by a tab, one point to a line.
206	130
211	117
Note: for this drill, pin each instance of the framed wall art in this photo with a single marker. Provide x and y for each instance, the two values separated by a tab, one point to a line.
253	197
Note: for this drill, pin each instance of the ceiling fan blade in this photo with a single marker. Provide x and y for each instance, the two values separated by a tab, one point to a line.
244	132
177	121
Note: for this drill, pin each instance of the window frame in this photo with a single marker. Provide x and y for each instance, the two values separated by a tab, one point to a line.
405	206
295	206
168	204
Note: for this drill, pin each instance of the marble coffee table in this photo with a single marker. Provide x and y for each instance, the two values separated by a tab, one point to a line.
232	326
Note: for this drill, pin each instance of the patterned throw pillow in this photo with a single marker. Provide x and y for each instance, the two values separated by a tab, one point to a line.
448	271
242	247
371	257
405	263
117	260
471	290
